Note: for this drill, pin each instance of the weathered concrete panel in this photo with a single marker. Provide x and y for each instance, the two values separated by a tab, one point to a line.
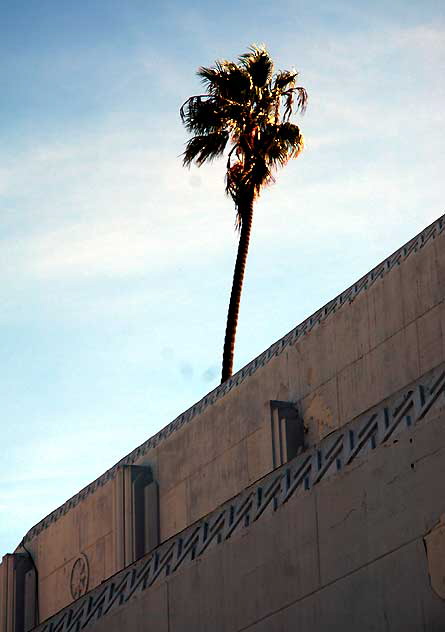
238	583
352	340
383	371
313	359
149	613
382	502
110	555
385	304
96	560
421	284
320	411
173	510
217	481
288	542
93	518
75	531
54	592
391	594
259	453
58	544
213	607
430	338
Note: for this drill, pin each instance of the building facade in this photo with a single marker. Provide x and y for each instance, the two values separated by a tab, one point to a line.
307	492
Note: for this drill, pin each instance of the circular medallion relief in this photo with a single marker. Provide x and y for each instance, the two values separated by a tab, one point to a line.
80	574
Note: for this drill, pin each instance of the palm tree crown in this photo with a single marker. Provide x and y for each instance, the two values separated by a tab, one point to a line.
247	107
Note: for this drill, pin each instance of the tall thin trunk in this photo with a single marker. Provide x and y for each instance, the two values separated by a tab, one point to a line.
237	286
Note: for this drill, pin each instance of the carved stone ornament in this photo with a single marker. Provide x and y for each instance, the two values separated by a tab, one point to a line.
80	575
435	547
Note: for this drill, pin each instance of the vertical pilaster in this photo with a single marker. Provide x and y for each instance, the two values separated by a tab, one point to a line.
17	595
136	514
287	432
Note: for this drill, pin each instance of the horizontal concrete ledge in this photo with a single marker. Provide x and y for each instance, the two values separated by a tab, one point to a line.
378	272
399	414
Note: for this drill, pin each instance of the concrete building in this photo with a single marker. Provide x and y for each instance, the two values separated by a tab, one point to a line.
305	493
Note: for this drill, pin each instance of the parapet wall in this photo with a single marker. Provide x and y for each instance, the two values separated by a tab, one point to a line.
371	341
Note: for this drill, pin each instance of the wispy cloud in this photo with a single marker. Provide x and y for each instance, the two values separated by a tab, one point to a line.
97	207
100	206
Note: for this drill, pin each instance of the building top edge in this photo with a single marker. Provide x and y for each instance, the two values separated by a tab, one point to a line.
346	297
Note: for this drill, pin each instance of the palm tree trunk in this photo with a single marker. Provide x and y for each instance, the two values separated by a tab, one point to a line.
237	285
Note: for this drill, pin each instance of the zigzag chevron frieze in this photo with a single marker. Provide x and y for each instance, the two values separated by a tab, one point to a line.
346	297
336	451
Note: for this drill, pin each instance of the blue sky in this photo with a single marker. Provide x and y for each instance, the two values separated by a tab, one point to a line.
116	263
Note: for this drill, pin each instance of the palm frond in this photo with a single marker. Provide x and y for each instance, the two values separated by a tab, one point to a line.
302	99
259	65
203	115
285	79
290	135
289	96
278	144
227	80
212	78
204	148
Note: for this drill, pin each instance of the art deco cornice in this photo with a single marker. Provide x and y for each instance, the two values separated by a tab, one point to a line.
417	243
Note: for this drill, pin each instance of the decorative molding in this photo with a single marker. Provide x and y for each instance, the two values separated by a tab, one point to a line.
287	432
80	577
136	525
345	298
335	452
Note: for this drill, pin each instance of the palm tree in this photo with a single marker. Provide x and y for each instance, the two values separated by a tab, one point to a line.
248	107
